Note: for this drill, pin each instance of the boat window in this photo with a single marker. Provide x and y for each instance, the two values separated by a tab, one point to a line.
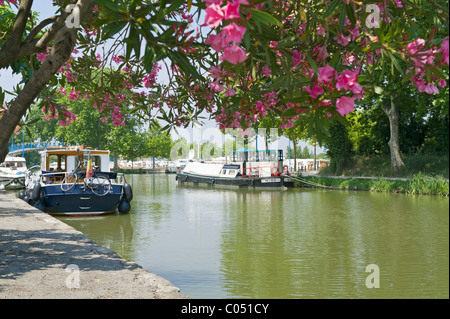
231	172
57	163
96	162
224	171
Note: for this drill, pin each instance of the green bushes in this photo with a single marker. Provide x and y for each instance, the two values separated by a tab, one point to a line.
379	166
419	184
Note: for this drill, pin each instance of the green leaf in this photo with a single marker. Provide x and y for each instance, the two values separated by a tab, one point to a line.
109	4
342	18
183	62
408	76
111	29
175	5
148	59
395	62
313	64
331	8
261	17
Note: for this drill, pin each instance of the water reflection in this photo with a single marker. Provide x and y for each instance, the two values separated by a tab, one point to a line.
219	243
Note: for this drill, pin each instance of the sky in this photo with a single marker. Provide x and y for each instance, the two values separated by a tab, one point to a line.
208	132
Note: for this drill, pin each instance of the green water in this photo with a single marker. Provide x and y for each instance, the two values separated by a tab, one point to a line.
220	243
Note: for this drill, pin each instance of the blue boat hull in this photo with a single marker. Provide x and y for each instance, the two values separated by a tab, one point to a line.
79	200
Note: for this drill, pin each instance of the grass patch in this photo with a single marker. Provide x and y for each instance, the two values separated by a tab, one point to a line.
420	184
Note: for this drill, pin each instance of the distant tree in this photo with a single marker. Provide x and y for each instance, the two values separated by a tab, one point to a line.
340	148
157	144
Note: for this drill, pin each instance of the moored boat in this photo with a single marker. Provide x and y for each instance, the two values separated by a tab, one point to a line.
244	168
76	181
12	172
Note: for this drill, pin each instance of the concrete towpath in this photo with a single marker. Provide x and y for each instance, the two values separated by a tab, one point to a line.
41	257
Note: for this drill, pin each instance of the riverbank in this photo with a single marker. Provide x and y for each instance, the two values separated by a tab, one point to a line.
41	257
419	184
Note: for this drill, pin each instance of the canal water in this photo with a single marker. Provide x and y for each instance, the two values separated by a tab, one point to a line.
297	243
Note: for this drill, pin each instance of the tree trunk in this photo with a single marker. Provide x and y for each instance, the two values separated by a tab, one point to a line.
116	166
394	141
62	48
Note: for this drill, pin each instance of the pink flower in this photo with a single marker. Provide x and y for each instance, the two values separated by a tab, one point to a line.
345	105
214	15
118	58
444	49
266	71
321	52
261	108
230	92
234	32
415	46
217	42
74	95
355	33
41	57
315	91
320	30
347	81
234	54
399	3
231	10
216	72
216	86
326	74
342	39
210	2
296	57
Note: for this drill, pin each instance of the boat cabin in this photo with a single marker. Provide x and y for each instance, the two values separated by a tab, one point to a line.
67	160
14	163
261	163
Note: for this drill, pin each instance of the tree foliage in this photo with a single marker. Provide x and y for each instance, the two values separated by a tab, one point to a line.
236	61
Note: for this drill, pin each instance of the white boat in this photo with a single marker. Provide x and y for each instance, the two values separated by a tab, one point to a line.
244	168
76	181
12	172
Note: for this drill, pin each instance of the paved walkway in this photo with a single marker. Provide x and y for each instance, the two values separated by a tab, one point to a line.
41	257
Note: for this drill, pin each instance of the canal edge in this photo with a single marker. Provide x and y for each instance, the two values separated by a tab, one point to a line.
42	257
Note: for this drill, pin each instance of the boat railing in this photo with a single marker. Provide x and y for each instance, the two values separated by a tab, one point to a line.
53	177
274	171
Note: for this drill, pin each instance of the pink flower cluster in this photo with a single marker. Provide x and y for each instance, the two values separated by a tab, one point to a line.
150	79
227	40
66	117
427	58
2	2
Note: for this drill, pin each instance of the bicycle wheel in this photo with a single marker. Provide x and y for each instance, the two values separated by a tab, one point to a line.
69	181
99	184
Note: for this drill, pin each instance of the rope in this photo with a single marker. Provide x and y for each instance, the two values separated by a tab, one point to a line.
309	182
